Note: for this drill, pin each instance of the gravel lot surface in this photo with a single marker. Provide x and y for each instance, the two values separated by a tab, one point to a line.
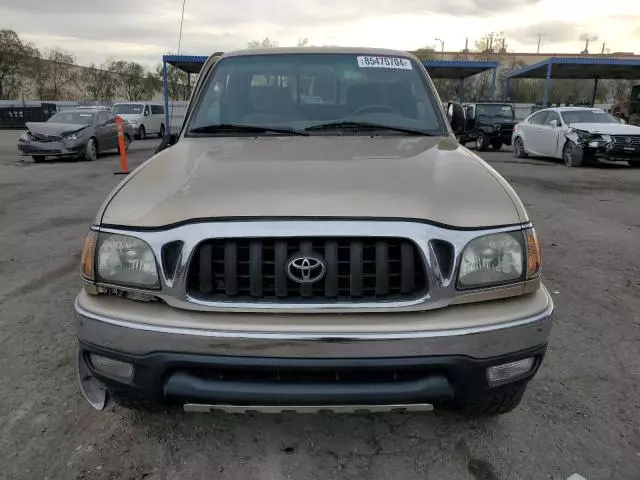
580	415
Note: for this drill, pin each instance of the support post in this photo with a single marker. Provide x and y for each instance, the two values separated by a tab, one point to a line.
506	89
165	85
494	80
461	89
595	91
545	98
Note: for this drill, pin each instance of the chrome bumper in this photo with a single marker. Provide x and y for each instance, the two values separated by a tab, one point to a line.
518	324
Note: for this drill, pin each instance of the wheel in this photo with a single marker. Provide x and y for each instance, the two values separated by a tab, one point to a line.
572	154
635	164
127	141
497	402
496	145
38	158
142	133
482	143
91	150
136	402
161	134
518	148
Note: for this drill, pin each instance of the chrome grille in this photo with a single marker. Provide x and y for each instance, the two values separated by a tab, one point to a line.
626	140
356	269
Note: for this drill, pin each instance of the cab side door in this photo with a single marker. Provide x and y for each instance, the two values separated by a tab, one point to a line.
532	132
550	133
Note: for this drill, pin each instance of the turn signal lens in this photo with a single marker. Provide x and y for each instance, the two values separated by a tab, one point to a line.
88	255
534	254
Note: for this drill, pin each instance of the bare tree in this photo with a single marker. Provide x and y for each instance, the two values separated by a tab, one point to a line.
264	43
15	56
99	83
178	82
52	73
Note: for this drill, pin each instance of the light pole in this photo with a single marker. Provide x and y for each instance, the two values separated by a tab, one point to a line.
441	48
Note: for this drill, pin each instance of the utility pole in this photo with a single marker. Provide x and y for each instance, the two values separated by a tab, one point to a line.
540	35
441	48
603	45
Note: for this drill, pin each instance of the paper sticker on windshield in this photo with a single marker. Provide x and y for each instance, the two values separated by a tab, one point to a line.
506	108
385	62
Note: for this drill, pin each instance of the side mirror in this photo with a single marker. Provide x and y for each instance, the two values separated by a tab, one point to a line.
622	120
457	117
167	141
553	124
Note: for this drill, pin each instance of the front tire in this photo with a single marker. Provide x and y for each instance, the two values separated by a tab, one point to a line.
572	154
635	164
142	133
482	143
161	134
38	158
496	145
91	150
518	148
498	402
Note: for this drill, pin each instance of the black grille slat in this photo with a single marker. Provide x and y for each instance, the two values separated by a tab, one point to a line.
280	266
230	271
407	284
357	278
206	275
382	269
331	280
359	269
255	268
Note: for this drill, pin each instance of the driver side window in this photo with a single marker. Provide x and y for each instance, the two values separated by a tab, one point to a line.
539	118
553	116
103	118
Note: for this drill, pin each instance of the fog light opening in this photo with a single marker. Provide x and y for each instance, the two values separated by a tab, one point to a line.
508	372
112	367
92	391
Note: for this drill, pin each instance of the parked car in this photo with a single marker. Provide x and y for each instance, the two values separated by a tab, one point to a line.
145	118
577	135
489	124
282	255
72	133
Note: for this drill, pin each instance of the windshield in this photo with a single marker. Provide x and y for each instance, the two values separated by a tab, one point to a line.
495	110
300	91
588	116
74	118
128	108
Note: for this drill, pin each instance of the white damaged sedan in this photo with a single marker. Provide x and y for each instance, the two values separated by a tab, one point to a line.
577	135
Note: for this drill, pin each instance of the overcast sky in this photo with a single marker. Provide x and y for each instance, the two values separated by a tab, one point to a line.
142	30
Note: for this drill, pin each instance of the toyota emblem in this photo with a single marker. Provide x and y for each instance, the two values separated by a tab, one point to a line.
306	269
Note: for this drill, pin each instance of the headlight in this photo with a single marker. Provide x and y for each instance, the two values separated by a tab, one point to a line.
133	122
24	138
492	260
580	133
607	138
125	260
73	136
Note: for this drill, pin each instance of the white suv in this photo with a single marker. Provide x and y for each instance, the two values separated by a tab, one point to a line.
145	118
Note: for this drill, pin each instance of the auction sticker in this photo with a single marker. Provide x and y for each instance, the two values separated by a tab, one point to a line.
385	62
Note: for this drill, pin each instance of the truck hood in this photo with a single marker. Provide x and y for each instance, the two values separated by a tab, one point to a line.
426	178
608	128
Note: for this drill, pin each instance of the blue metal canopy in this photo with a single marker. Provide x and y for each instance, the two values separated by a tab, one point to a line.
579	68
461	69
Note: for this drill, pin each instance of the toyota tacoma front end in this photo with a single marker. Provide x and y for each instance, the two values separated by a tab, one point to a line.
313	239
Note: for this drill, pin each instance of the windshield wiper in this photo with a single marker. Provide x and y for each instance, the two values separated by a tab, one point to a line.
356	125
232	127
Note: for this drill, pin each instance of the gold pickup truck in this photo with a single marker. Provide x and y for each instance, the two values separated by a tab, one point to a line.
313	238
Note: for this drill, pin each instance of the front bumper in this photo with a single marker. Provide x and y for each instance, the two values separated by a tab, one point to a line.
615	152
57	149
412	362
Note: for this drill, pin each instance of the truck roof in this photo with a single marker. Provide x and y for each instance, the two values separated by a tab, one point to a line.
308	50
